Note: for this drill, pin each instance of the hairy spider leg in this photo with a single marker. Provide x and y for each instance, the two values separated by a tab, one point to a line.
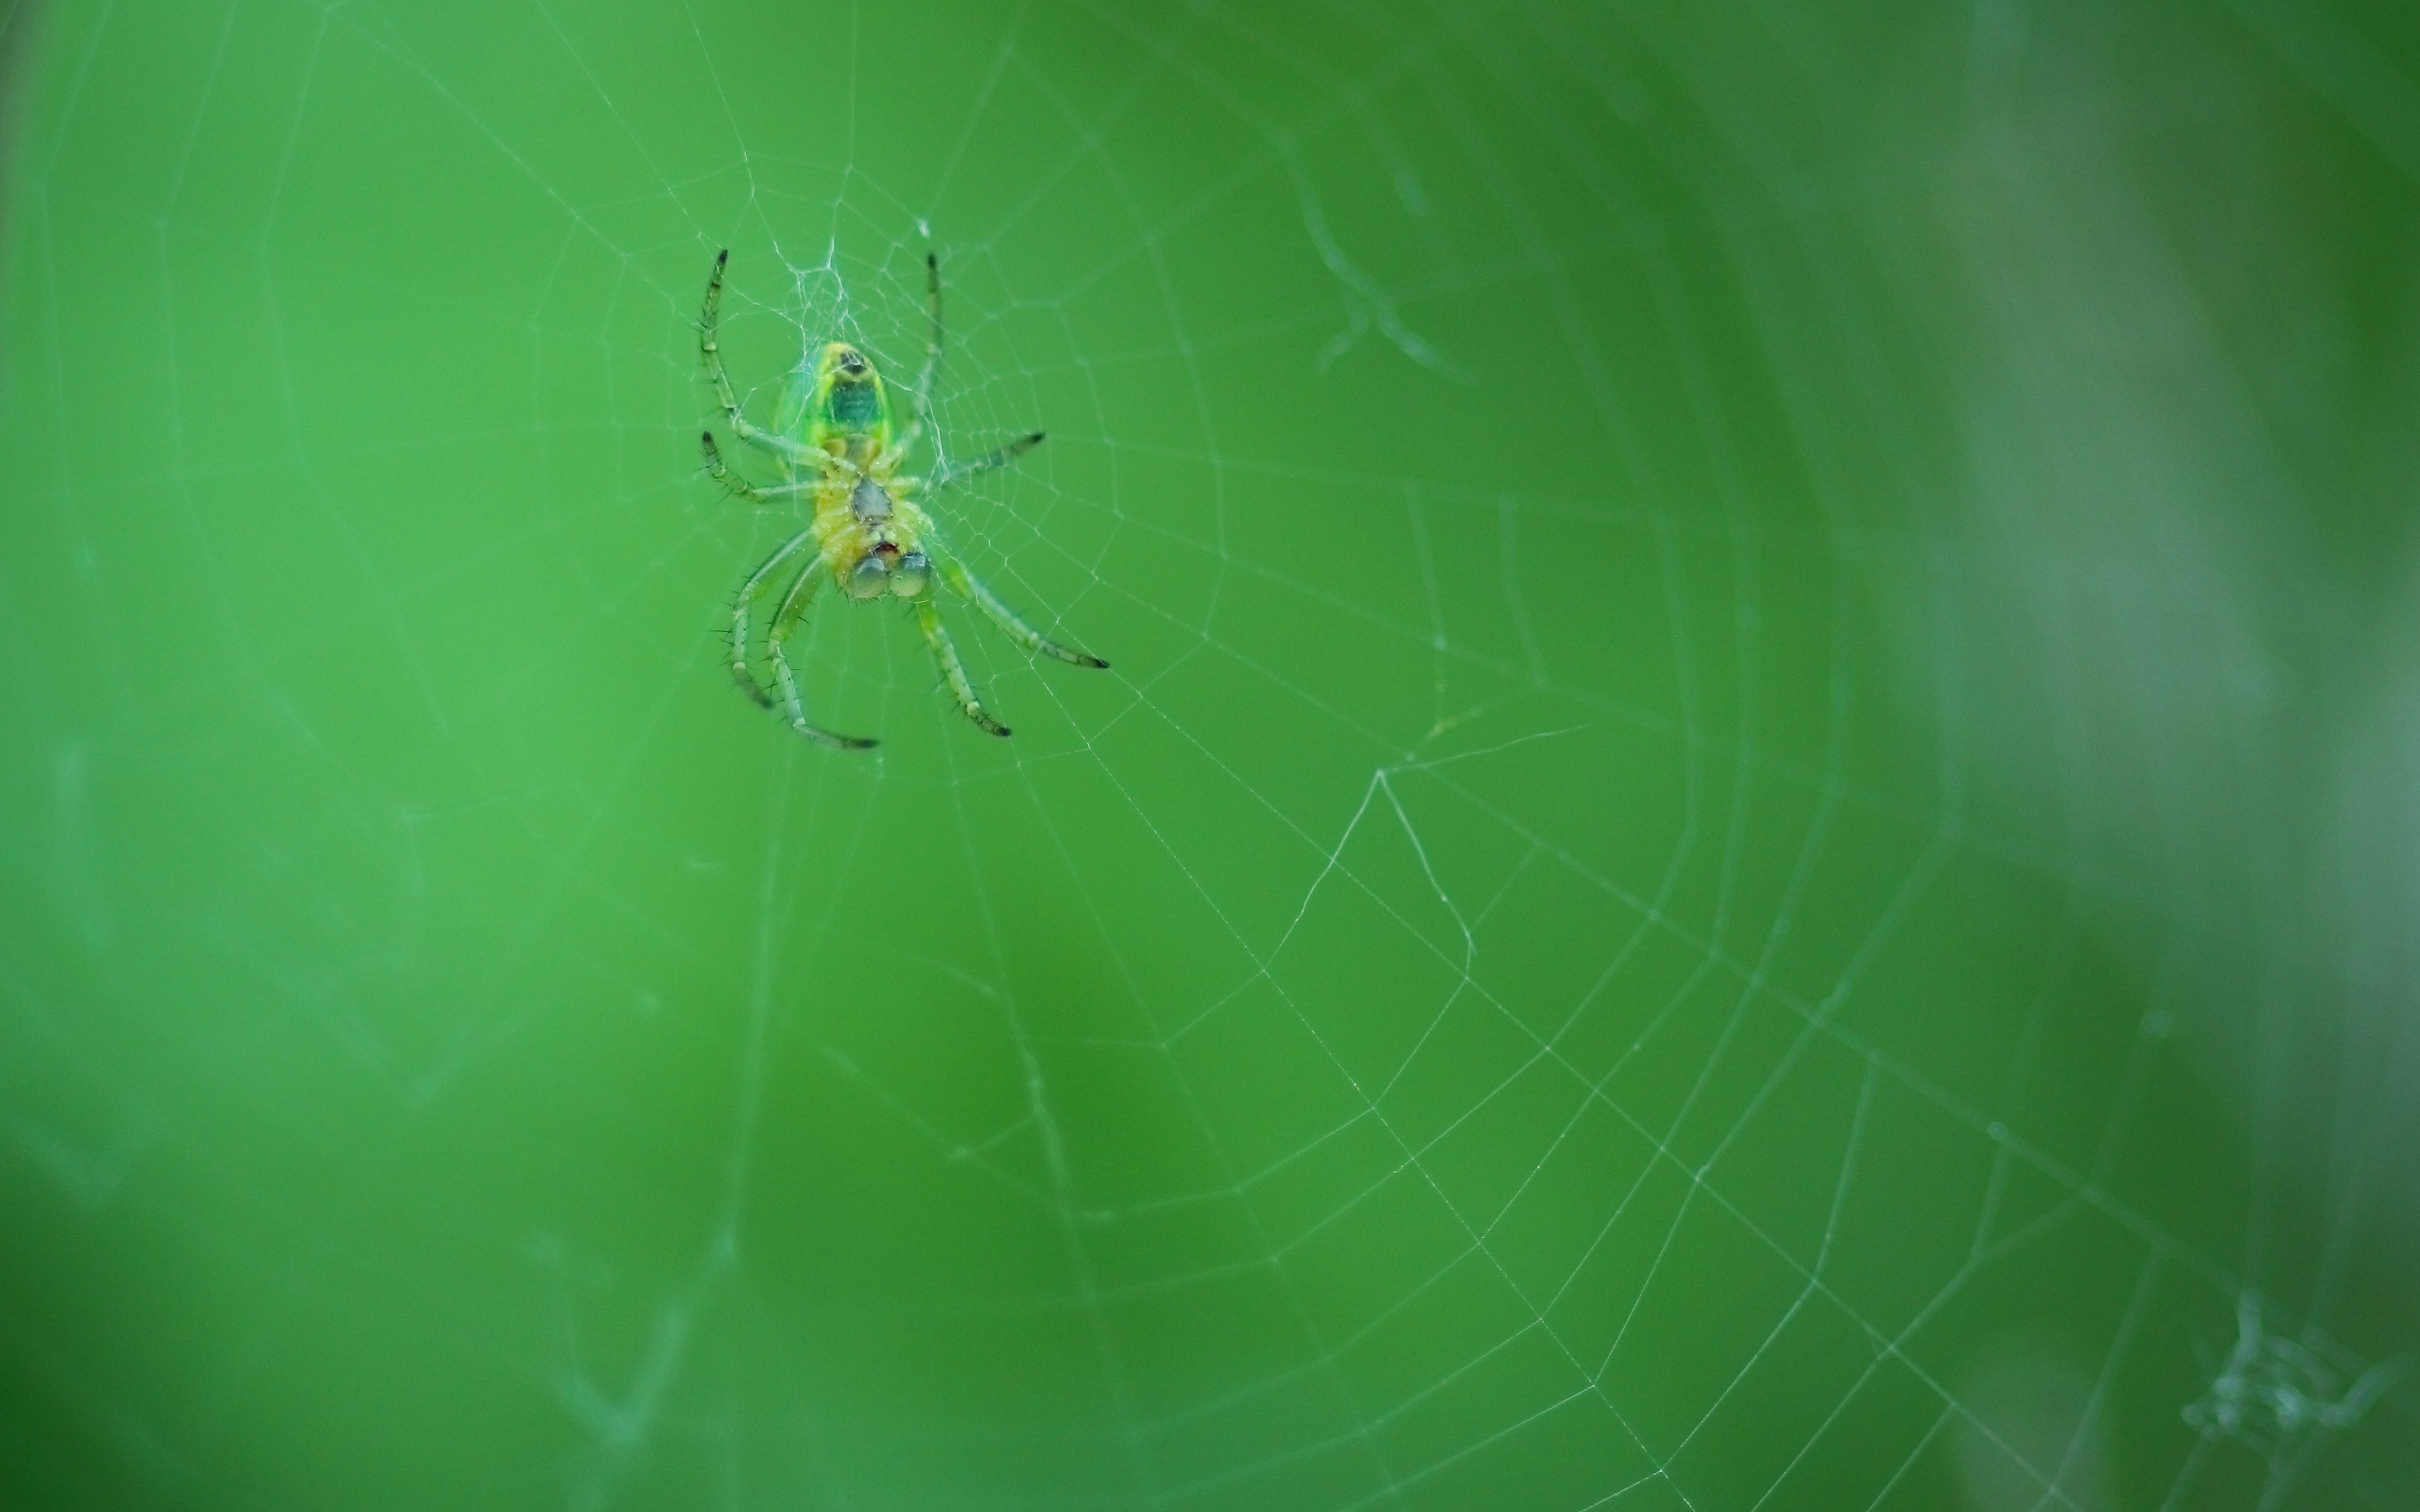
985	463
749	590
997	611
740	486
782	446
929	619
786	619
932	372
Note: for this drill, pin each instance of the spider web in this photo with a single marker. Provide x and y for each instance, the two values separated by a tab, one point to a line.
1728	862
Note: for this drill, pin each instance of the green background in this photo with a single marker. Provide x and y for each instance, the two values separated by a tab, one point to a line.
1752	843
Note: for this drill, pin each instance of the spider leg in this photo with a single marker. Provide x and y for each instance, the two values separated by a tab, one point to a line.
932	354
929	619
923	395
998	613
985	463
781	446
933	343
785	620
731	479
751	588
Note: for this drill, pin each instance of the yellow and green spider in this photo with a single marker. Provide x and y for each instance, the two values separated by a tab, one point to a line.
835	442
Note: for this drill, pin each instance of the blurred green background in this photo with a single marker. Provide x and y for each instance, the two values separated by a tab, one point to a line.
1752	843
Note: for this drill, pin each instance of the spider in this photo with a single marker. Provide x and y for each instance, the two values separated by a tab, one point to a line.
836	444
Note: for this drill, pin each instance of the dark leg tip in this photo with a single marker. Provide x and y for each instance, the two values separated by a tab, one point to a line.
826	737
1095	661
722	257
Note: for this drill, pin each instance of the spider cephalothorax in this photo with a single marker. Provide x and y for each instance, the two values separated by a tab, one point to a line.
835	444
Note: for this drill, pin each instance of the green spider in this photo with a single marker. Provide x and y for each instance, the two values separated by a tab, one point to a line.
835	442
